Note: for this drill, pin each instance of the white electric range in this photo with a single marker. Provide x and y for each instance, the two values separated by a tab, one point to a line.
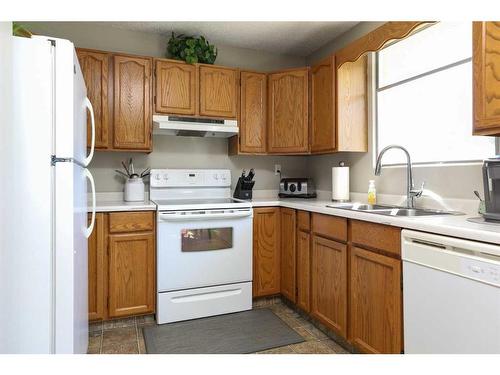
204	244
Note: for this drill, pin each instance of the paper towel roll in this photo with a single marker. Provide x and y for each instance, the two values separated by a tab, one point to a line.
340	183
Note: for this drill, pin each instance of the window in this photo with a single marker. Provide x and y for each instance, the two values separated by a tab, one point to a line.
424	97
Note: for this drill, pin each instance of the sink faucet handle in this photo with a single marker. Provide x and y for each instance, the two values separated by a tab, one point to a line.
418	192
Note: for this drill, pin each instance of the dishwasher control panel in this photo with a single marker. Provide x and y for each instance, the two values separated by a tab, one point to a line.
483	271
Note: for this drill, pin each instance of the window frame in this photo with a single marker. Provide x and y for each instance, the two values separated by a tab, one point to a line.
375	89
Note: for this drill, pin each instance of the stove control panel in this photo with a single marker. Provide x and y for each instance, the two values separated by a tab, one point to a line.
164	178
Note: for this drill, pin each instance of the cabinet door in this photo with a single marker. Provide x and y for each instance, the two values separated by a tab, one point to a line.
95	70
486	88
132	99
96	253
375	302
303	270
288	254
176	87
253	112
352	106
266	251
323	130
288	112
131	274
329	283
218	91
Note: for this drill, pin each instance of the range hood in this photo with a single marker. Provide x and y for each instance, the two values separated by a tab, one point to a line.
194	126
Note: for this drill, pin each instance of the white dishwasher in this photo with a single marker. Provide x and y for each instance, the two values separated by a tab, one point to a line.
451	294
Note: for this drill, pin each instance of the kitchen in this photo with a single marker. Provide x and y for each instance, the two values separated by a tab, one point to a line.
289	187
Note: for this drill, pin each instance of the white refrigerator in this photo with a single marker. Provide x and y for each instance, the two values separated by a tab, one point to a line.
44	303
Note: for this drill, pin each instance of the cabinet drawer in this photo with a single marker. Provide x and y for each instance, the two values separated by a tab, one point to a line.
330	226
304	221
121	222
376	236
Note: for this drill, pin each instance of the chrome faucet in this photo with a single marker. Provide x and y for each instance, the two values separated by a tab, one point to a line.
410	192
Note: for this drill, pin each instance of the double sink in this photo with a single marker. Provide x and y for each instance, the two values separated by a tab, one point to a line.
392	210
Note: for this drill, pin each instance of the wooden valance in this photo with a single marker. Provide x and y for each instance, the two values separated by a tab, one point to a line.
377	39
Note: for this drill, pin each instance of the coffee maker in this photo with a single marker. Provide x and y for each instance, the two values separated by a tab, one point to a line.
491	182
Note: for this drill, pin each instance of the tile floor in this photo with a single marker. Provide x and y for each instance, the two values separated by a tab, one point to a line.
124	336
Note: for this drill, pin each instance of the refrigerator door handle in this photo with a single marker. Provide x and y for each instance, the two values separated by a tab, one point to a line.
88	231
88	159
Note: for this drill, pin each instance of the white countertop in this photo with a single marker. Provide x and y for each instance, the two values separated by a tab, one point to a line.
449	225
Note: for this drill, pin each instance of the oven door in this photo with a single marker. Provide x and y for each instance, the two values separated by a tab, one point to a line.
204	248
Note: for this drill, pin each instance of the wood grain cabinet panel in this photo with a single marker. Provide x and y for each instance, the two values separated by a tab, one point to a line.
96	255
266	251
126	222
176	87
132	103
352	106
323	132
131	274
376	236
329	284
303	270
253	112
288	254
95	70
486	88
218	91
375	318
330	226
288	103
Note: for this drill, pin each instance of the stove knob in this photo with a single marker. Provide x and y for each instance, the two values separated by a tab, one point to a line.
216	176
157	177
292	188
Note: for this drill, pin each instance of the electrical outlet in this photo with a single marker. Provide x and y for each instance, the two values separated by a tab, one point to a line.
277	169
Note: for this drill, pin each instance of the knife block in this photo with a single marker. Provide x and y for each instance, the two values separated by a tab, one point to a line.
243	189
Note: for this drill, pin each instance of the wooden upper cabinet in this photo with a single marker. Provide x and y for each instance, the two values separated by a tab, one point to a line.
352	106
266	251
176	87
95	70
218	91
486	88
96	255
131	274
329	284
288	103
323	132
253	112
132	103
288	253
375	318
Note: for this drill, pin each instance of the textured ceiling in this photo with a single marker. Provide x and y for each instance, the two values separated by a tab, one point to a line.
292	38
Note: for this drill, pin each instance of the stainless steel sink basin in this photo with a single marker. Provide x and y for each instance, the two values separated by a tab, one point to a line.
393	210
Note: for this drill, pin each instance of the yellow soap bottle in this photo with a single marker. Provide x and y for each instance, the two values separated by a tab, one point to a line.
372	193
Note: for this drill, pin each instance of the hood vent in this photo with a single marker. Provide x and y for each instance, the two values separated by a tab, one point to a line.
194	126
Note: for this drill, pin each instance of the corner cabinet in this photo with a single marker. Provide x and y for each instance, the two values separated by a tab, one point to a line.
218	91
176	87
288	112
486	88
323	103
132	125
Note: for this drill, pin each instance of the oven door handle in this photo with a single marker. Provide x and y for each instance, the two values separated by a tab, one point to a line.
216	216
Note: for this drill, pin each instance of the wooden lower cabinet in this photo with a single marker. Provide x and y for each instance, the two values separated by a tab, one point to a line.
288	253
96	259
303	270
131	274
375	318
329	283
266	251
121	265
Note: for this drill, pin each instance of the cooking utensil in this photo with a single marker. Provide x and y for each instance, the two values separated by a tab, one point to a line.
126	169
121	173
145	172
131	166
478	196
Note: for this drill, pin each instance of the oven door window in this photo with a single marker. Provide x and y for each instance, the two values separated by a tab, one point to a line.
206	239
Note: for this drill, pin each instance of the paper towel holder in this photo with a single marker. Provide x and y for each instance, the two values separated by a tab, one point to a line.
340	189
